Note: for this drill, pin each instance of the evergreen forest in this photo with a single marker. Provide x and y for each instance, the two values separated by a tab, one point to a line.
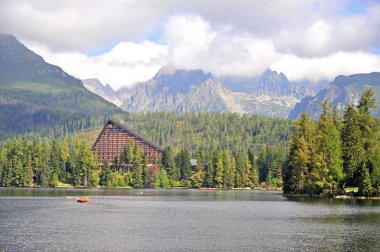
334	153
228	147
215	150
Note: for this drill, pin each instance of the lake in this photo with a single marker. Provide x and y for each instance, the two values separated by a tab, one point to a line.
183	220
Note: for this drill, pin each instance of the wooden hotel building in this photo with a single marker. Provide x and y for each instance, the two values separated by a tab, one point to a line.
115	136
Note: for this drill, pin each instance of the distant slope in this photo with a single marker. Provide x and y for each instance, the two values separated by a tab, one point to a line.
35	95
206	131
342	91
105	91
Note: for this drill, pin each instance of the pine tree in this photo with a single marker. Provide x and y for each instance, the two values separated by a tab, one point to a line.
296	170
352	147
198	177
45	165
219	169
253	175
262	163
368	130
37	161
210	172
240	170
74	160
56	162
168	162
229	173
365	181
330	147
182	161
85	165
19	173
138	181
106	175
64	157
246	181
28	169
162	179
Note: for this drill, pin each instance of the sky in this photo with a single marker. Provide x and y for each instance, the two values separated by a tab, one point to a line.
122	42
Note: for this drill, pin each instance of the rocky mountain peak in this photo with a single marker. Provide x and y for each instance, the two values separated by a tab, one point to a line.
7	39
273	83
165	70
178	80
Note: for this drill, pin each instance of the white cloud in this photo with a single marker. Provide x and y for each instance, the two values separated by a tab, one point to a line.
189	41
293	25
325	35
326	68
223	52
66	25
126	64
193	43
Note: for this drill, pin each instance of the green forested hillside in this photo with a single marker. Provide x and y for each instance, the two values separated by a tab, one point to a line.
37	96
210	131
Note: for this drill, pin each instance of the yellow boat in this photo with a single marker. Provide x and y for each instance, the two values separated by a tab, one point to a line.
82	199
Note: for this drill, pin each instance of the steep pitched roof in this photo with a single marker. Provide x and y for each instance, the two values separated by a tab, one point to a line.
130	131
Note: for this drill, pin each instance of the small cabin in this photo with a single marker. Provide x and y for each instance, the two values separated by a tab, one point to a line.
115	136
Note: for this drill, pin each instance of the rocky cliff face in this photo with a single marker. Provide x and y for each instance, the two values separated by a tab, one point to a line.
342	91
276	84
177	91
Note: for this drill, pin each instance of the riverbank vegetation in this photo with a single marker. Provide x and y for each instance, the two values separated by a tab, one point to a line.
335	152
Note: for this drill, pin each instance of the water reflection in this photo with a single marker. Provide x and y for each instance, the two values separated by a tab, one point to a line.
333	201
167	194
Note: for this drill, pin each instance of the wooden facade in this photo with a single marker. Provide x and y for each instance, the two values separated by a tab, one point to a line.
115	137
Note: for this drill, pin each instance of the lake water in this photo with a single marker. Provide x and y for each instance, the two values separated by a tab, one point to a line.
183	220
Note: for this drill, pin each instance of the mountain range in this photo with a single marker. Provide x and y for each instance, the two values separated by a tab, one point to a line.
180	90
36	95
342	91
271	94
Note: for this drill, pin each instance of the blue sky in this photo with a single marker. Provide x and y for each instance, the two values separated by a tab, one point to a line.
126	41
358	6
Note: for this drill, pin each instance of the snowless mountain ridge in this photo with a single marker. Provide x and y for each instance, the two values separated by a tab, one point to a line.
269	95
179	90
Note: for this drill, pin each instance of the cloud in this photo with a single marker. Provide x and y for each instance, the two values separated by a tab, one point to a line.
306	39
66	25
223	52
326	68
191	42
303	27
126	64
323	36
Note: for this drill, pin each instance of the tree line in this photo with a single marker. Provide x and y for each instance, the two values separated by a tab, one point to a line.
335	152
49	163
